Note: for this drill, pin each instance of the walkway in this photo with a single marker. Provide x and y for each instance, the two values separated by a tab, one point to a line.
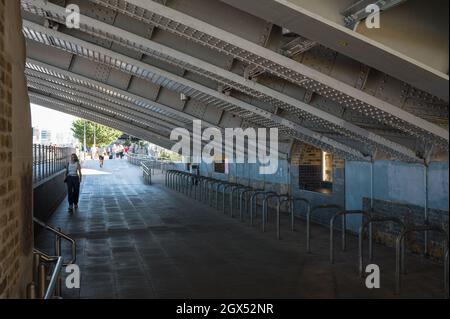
139	241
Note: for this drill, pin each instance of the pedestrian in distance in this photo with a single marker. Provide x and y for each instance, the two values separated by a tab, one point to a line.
101	159
73	181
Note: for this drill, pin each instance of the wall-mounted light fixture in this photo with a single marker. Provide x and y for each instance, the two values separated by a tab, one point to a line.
184	97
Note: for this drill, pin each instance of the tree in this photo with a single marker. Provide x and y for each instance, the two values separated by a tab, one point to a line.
127	142
104	135
169	156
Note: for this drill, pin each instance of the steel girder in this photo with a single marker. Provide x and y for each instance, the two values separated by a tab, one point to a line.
63	83
308	20
188	87
267	119
293	106
36	82
76	110
110	92
53	92
198	31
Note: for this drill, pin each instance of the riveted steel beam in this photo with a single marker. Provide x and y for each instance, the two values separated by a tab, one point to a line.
177	83
357	11
101	98
215	38
98	108
96	104
312	20
220	75
102	91
124	126
110	91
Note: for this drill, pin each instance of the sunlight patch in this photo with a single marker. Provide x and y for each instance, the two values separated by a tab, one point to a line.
89	171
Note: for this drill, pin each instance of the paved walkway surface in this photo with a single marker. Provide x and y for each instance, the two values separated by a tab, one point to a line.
141	241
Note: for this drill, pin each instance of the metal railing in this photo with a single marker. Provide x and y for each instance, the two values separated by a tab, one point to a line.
49	160
149	165
147	173
41	287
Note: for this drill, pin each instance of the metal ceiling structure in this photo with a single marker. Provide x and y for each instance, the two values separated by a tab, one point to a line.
146	67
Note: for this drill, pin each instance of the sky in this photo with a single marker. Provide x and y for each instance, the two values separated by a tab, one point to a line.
45	118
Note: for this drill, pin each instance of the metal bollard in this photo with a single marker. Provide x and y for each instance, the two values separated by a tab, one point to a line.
369	224
264	211
343	214
400	263
233	189
241	194
231	185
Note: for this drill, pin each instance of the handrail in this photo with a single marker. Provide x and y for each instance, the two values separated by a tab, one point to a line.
44	256
42	290
400	252
62	235
308	221
54	278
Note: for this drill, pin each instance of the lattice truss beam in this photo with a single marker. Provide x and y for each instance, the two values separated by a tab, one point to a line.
103	119
254	55
69	89
261	118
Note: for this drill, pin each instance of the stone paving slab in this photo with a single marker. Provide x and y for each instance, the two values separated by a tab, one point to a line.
141	241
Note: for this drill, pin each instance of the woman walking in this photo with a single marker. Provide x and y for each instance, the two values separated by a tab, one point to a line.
73	180
101	159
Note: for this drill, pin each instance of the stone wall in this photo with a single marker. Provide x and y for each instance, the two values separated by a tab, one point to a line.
410	215
16	237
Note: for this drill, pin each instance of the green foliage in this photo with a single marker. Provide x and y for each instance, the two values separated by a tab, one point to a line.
127	142
169	156
104	135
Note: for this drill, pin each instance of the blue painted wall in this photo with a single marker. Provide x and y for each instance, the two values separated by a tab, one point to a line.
397	182
438	186
357	186
392	181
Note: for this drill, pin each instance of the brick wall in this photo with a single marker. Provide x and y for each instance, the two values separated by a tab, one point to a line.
15	159
310	156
